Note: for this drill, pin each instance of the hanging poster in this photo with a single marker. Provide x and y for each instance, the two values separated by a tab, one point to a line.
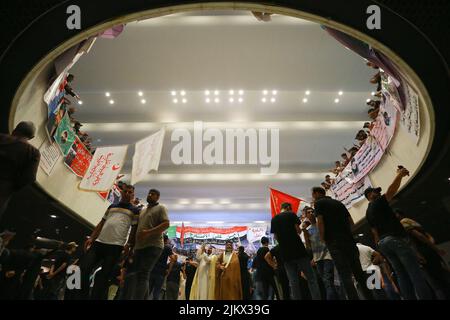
54	119
409	118
64	135
78	158
256	233
104	168
384	125
147	155
364	160
49	157
349	193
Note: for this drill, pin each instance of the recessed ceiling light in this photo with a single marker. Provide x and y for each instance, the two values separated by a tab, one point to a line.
111	101
184	100
183	93
367	100
140	93
273	100
361	234
231	92
107	94
264	100
274	92
241	92
340	93
372	93
265	92
336	100
231	100
208	100
204	201
216	92
305	100
53	216
240	99
80	102
206	92
143	101
216	100
173	93
307	92
175	100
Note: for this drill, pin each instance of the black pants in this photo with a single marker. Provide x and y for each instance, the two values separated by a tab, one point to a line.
284	283
245	283
106	256
187	289
346	260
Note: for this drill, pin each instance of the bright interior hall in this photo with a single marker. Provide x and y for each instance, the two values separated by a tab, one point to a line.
203	74
228	70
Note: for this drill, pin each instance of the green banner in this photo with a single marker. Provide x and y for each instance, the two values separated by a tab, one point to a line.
172	232
64	135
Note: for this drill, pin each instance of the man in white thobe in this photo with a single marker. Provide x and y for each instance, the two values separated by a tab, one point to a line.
201	282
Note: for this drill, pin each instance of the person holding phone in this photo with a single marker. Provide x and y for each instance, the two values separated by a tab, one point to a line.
392	240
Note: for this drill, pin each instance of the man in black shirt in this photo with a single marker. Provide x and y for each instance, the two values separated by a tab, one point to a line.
245	275
191	268
264	273
274	259
173	278
391	238
57	273
286	227
334	223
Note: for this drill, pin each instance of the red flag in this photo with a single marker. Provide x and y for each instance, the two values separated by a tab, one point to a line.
277	198
182	235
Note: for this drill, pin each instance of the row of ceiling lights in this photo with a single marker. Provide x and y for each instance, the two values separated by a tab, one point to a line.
231	99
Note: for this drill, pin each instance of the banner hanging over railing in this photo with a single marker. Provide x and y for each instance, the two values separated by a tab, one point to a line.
147	155
104	168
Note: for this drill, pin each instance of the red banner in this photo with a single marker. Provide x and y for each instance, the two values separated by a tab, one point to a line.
78	158
277	198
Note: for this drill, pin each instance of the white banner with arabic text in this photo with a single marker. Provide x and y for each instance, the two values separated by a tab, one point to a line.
104	168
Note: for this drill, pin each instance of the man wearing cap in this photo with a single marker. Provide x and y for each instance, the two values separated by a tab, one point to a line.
19	161
153	221
391	238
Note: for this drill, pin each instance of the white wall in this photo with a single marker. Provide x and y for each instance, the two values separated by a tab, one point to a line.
62	184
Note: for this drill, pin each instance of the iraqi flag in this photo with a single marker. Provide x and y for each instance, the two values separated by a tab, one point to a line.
277	198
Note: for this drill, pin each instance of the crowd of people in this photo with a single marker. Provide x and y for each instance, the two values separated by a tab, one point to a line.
363	133
129	256
66	106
